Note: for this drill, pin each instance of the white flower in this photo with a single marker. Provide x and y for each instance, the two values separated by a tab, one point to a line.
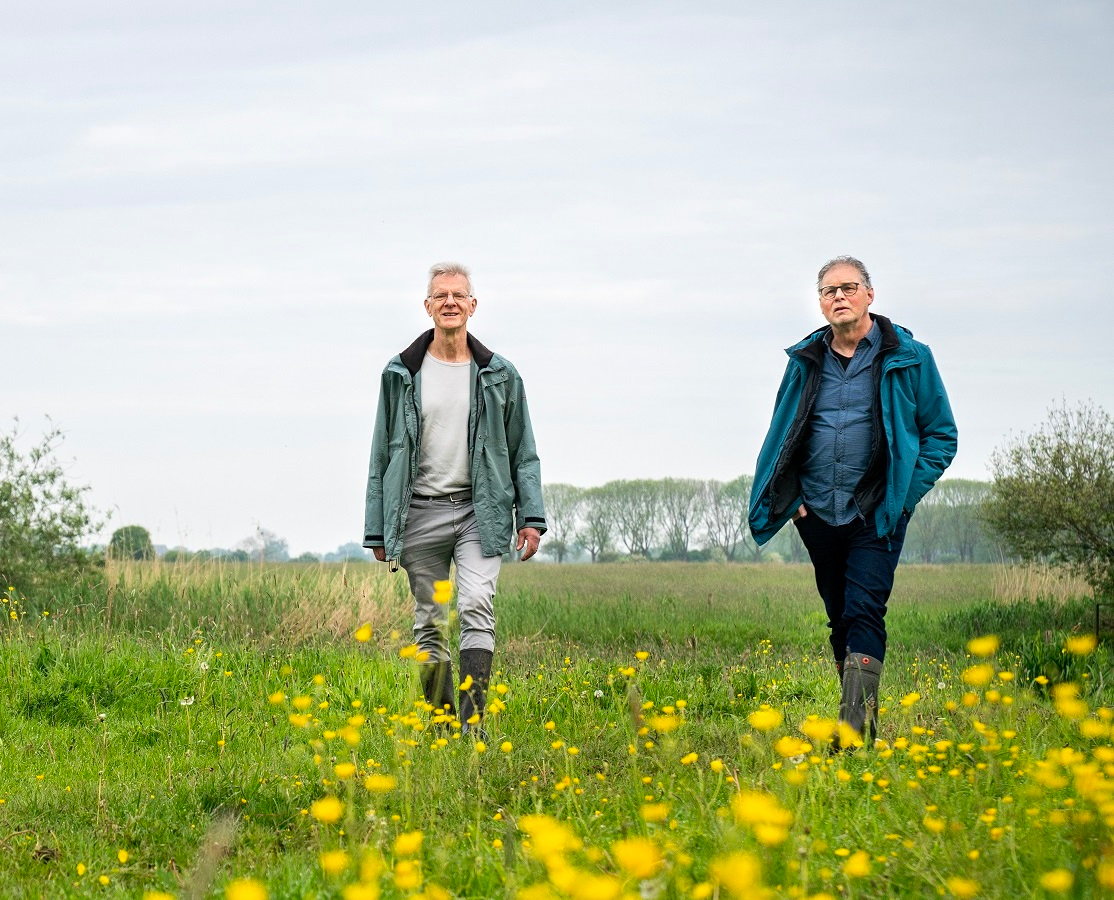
940	685
204	667
598	694
186	701
102	716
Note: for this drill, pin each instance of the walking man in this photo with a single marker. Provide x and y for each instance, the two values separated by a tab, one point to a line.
861	431
454	476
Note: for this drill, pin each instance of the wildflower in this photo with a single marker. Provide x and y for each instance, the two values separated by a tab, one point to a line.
767	818
639	857
103	879
1081	644
765	719
549	839
933	824
360	891
81	870
277	698
1058	881
327	810
186	701
688	759
716	765
157	895
380	784
817	729
910	699
983	646
664	724
506	746
363	633
245	889
739	873
407	874
410	651
787	746
408	843
480	747
442	592
333	862
857	865
655	812
122	855
978	676
301	703
344	770
962	887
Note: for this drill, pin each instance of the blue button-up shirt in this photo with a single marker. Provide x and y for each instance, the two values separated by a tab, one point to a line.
841	432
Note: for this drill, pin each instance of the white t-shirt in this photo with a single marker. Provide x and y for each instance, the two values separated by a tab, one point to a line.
446	399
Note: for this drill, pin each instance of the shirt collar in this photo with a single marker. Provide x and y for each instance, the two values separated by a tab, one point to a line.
872	337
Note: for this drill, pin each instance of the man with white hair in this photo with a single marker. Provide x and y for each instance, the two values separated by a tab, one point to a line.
454	477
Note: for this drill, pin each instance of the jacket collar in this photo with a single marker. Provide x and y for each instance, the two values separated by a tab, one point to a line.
413	355
812	347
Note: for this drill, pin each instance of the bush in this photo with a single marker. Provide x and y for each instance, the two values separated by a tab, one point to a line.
1053	495
131	542
43	518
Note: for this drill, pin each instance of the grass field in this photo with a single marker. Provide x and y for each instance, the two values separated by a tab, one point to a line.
218	731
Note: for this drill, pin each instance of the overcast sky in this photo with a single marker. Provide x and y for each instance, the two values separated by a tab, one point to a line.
216	221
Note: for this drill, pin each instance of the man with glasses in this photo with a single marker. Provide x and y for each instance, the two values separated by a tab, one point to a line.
861	431
454	478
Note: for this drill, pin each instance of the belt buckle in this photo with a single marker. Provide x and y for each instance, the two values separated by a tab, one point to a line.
456	498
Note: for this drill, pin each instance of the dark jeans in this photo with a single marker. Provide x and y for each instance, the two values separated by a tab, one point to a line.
854	575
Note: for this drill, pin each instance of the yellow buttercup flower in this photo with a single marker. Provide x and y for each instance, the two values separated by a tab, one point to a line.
344	770
765	719
963	888
738	873
639	857
408	843
817	729
380	784
978	676
363	633
655	812
245	889
333	862
442	592
122	855
327	810
1058	881
984	646
1081	644
857	865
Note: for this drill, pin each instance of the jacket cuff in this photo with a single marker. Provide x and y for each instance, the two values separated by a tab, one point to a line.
373	540
534	522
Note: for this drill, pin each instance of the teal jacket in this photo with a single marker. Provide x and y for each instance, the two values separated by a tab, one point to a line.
506	472
914	433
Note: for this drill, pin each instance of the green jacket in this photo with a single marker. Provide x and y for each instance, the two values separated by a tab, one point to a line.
506	472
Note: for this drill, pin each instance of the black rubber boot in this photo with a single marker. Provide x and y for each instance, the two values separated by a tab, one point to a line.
861	675
477	664
438	686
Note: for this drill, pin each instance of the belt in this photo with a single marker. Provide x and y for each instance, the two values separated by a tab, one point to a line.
459	497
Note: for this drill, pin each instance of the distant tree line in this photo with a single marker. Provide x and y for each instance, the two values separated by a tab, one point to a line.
694	520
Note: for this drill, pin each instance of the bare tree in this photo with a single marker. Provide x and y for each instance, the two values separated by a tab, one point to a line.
725	516
563	503
683	503
596	534
962	499
637	513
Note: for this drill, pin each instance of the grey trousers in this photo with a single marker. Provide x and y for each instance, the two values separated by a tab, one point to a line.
438	533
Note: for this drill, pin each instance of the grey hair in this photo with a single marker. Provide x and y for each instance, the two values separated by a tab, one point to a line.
842	261
448	268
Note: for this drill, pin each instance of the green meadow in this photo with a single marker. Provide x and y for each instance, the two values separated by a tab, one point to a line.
657	730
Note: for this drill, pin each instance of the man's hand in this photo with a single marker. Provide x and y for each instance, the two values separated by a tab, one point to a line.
800	513
380	553
528	538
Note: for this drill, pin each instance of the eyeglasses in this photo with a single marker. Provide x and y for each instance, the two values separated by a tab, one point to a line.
849	289
441	297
